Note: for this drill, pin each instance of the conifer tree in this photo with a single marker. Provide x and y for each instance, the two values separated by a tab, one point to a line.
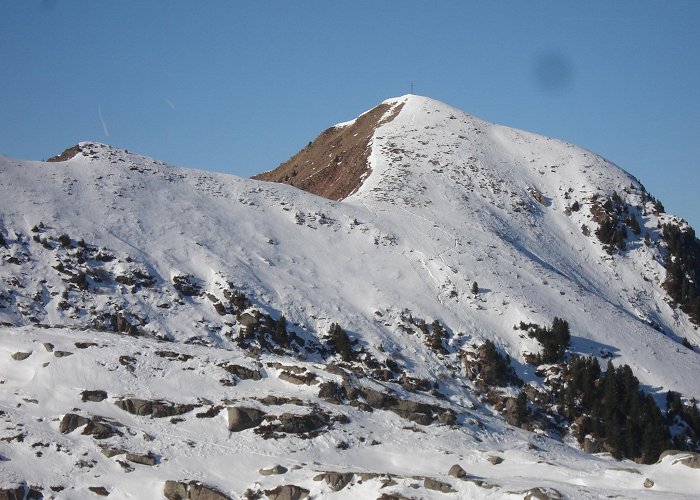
280	334
340	342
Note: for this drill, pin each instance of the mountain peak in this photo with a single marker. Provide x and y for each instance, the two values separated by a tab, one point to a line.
412	136
88	149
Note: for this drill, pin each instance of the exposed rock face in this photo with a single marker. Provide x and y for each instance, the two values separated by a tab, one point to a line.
119	323
511	412
296	424
542	494
98	428
241	372
272	400
99	490
199	491
70	422
457	471
84	345
241	418
95	396
175	490
143	459
331	392
110	452
335	164
420	413
434	484
447	417
67	154
336	480
174	355
186	285
298	379
291	423
194	490
287	492
692	461
21	356
156	409
13	493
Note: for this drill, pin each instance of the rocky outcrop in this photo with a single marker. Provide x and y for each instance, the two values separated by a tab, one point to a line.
155	409
290	423
70	422
331	392
192	490
540	493
94	396
100	428
287	492
494	459
692	461
241	372
336	162
68	154
143	459
12	493
307	378
420	413
186	285
172	355
120	324
457	471
687	458
84	345
241	418
97	427
273	400
99	490
175	490
109	451
434	484
335	480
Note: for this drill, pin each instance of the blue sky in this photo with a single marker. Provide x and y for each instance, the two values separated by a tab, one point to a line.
239	86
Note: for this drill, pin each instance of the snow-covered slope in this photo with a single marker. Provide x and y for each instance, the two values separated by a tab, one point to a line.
493	204
125	252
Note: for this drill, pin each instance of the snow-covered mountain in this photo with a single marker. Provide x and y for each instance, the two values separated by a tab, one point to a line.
222	325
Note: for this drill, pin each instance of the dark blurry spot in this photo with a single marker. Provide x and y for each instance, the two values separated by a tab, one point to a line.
49	4
553	72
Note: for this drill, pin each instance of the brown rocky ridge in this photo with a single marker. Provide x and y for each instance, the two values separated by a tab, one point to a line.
336	163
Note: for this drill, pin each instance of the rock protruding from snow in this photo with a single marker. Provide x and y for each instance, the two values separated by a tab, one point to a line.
241	418
336	162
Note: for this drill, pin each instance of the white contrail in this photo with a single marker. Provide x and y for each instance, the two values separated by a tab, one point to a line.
104	125
169	103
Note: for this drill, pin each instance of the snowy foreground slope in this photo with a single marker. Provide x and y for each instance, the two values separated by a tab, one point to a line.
160	289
